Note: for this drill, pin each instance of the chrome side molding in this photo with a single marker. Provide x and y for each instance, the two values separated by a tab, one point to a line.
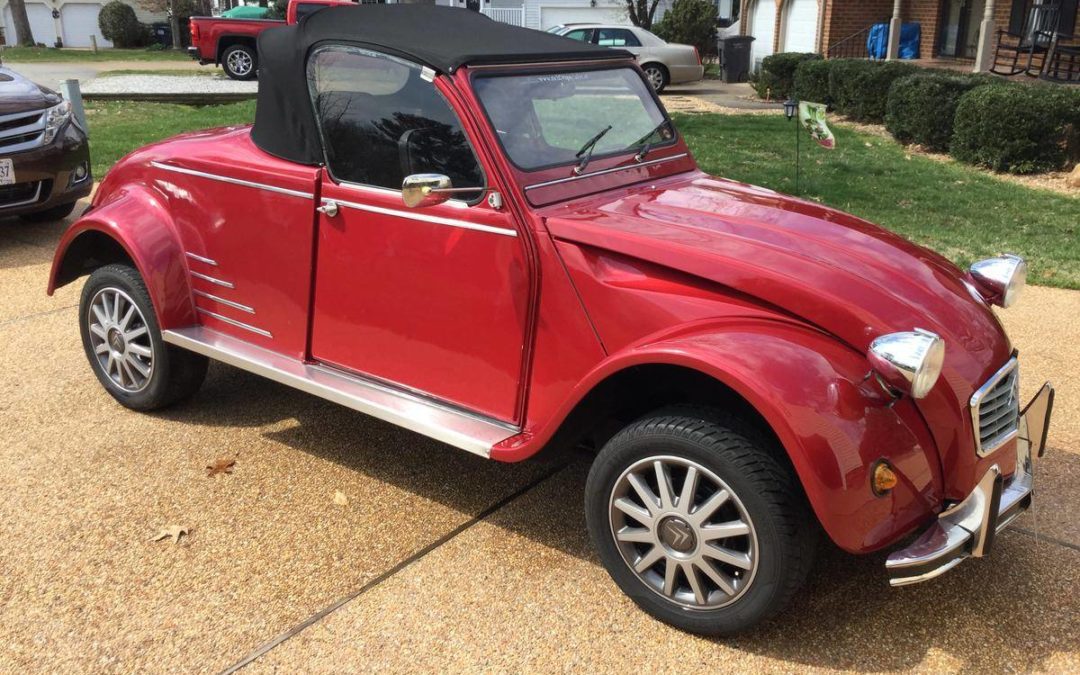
458	428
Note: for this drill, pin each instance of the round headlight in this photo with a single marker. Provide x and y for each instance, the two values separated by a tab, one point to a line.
908	362
1002	278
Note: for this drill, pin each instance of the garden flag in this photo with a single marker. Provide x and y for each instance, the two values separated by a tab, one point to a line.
812	118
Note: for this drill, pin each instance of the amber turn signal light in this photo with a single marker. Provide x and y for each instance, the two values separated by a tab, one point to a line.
882	478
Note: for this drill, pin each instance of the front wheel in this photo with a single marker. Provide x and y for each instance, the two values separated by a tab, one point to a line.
240	62
699	523
123	343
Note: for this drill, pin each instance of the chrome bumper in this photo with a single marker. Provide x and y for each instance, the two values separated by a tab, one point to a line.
967	529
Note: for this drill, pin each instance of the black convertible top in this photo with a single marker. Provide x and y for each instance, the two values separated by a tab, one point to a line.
442	38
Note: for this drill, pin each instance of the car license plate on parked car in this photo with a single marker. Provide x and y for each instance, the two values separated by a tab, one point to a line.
7	172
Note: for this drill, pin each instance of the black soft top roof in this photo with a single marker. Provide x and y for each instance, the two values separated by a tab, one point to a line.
443	38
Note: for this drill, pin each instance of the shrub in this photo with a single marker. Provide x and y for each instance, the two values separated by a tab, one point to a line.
921	107
776	78
1017	128
690	22
118	24
860	88
812	81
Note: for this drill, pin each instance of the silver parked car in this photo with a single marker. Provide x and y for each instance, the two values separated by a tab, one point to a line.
663	62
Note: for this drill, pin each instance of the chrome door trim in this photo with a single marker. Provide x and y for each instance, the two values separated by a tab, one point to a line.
602	172
438	220
232	181
217	282
228	303
375	189
201	259
234	322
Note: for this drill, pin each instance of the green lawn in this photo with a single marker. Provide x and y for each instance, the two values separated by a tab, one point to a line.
963	213
42	54
161	71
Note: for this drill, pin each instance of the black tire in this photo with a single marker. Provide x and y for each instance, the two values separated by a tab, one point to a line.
234	56
764	487
53	213
175	374
657	76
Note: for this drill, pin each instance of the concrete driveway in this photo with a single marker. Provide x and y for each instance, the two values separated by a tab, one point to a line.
430	558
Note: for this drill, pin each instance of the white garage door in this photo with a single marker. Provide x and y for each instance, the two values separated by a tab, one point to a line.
763	28
80	20
41	23
553	16
800	26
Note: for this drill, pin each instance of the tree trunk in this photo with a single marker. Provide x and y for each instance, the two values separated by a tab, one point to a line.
23	35
174	26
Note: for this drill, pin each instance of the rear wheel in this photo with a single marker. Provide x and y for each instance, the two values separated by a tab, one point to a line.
698	522
123	343
657	75
239	62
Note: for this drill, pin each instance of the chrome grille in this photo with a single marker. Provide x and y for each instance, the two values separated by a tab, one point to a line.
995	409
22	131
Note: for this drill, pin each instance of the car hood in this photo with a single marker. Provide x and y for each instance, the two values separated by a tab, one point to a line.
18	94
842	274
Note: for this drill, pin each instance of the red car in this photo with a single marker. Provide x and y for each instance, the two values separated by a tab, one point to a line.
231	42
497	238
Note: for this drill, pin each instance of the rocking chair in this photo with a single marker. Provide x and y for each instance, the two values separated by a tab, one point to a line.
1062	63
1034	38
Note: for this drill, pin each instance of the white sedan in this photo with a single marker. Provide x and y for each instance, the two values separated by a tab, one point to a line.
664	63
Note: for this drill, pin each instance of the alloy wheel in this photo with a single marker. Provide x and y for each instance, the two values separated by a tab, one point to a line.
240	62
683	532
655	77
120	339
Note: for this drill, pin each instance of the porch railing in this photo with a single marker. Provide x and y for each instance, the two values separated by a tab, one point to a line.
851	47
515	16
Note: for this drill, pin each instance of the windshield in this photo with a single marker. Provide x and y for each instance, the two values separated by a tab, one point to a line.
547	119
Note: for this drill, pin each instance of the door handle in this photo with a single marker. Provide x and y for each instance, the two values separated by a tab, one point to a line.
329	208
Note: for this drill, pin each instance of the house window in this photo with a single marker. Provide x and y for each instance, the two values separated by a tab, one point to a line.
727	12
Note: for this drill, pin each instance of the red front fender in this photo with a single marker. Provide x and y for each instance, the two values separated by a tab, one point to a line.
133	218
810	389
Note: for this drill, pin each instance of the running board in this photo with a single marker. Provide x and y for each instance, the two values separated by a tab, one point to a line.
441	422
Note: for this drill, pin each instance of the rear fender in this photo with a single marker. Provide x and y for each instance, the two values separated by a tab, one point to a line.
135	219
834	424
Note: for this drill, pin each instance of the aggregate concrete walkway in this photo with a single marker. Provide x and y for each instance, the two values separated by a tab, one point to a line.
444	561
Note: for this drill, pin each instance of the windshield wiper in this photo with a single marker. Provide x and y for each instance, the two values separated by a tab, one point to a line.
644	142
587	149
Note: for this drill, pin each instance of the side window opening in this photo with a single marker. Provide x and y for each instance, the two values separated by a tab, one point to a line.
381	121
617	37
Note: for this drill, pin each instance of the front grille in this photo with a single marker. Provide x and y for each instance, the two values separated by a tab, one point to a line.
995	409
22	131
19	194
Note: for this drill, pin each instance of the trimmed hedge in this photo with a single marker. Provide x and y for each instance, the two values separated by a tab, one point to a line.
860	88
1017	128
776	79
812	81
921	107
119	25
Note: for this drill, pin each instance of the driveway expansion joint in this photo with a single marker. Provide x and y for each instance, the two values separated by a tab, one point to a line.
266	647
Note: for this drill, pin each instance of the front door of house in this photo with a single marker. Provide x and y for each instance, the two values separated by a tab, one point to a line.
961	21
432	299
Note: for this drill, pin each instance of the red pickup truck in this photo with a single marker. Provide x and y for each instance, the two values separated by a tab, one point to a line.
498	238
230	43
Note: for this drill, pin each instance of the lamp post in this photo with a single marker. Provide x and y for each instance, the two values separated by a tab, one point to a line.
791	109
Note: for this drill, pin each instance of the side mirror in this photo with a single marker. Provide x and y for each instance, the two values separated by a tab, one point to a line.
429	189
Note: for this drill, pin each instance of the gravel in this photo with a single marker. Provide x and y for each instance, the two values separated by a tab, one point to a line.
168	84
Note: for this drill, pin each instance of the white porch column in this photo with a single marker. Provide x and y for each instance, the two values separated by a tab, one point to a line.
984	57
893	51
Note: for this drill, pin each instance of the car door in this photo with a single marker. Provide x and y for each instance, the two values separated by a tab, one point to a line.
431	299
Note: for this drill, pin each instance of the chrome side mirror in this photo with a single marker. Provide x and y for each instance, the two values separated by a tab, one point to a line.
429	189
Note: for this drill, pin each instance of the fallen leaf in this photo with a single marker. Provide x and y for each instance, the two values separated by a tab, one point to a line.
174	531
221	465
340	499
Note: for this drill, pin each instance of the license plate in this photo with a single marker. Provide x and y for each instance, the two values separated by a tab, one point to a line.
7	172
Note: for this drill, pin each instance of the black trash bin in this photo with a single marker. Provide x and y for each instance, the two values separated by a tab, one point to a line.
162	33
735	58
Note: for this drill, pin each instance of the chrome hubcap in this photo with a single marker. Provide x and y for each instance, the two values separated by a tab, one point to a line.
121	339
656	78
240	62
683	532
